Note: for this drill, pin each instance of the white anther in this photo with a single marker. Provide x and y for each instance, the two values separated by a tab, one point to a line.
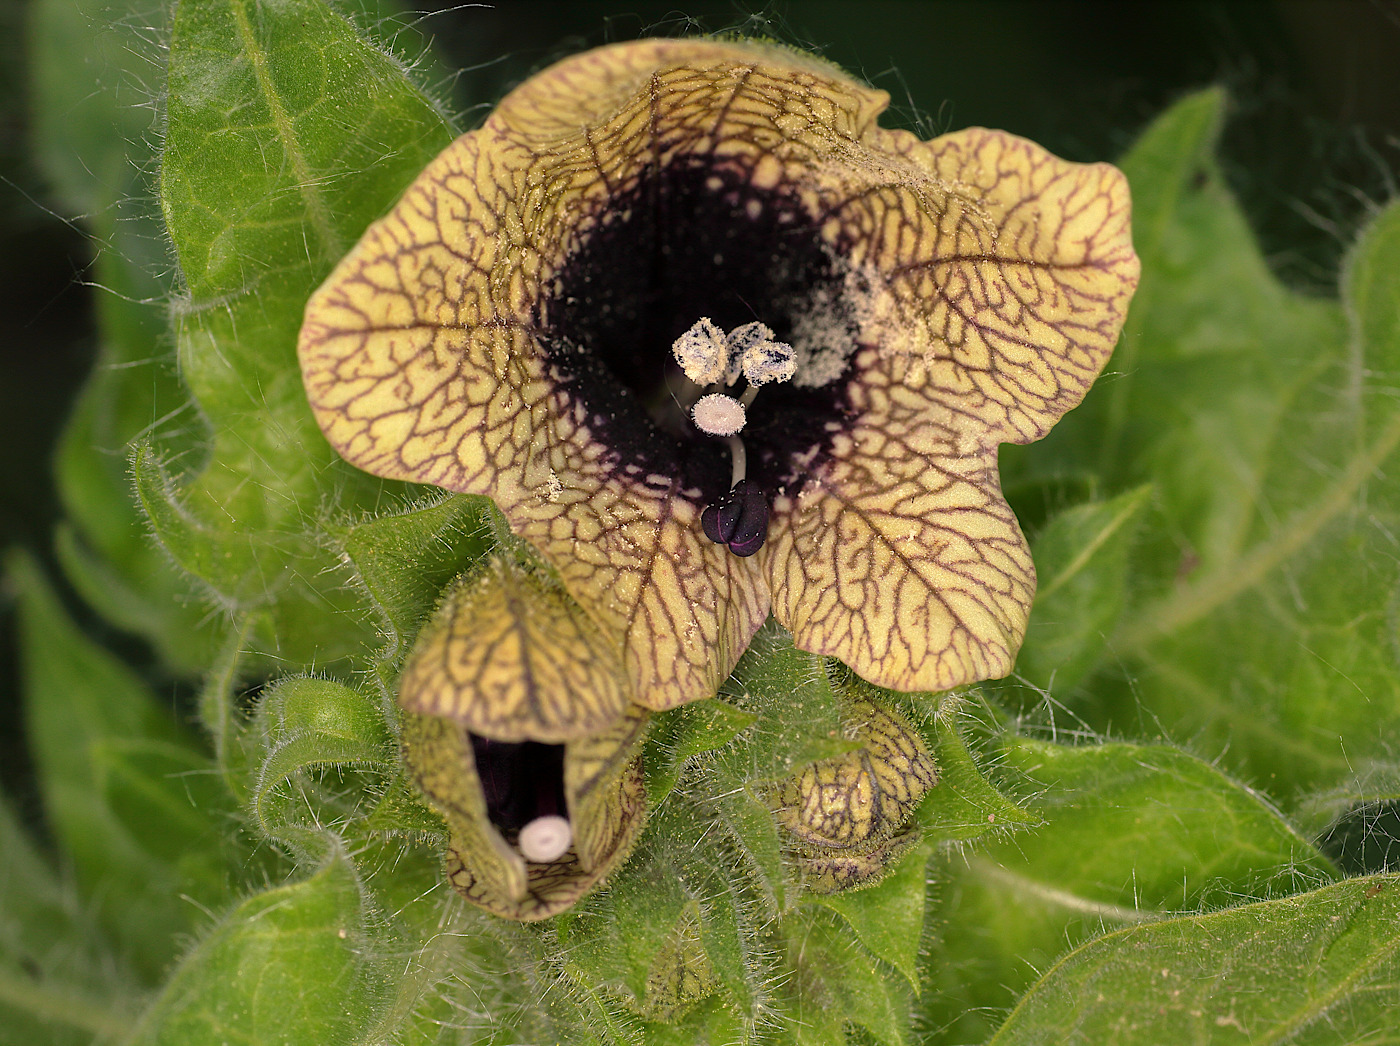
718	414
702	353
769	361
738	343
545	839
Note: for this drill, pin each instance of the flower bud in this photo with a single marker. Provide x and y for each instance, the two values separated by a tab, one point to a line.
519	733
845	816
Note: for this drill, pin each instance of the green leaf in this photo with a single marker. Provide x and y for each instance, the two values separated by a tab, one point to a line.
836	983
89	116
888	918
130	798
712	1021
94	128
1370	279
672	882
789	691
309	725
302	963
405	559
1081	557
680	734
1131	833
287	133
613	942
1323	967
219	711
963	804
1260	617
1277	640
59	982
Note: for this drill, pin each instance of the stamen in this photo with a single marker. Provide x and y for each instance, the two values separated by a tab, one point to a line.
769	361
738	343
738	520
738	459
702	353
754	352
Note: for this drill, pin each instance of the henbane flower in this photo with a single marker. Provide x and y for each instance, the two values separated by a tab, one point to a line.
559	312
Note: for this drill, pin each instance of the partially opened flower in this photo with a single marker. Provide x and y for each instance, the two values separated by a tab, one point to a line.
717	343
519	733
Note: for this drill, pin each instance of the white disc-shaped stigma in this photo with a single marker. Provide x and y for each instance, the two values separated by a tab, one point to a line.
545	839
718	414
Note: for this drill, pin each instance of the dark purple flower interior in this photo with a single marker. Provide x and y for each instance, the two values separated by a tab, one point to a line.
522	781
689	240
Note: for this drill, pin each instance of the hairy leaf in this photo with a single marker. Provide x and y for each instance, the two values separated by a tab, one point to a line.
1131	833
94	134
59	982
1081	557
309	725
1322	967
405	559
131	799
286	134
294	964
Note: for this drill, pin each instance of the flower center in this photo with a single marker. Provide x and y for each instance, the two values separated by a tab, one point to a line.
524	787
712	359
693	237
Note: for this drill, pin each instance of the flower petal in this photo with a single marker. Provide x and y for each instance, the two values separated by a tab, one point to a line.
512	659
901	558
607	805
998	279
420	364
606	802
421	360
551	888
440	757
974	275
1017	280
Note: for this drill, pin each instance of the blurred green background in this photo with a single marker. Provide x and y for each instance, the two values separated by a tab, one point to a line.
1313	142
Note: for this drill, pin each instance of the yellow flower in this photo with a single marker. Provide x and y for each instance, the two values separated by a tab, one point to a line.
866	316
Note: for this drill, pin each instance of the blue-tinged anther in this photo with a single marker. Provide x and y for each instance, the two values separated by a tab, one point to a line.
739	519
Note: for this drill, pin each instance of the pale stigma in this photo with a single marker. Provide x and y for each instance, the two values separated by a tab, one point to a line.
718	414
545	839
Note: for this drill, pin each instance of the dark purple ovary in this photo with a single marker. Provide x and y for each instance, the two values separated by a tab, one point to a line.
739	519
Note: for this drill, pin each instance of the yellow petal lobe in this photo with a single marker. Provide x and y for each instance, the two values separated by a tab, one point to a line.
979	286
607	807
511	657
903	560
